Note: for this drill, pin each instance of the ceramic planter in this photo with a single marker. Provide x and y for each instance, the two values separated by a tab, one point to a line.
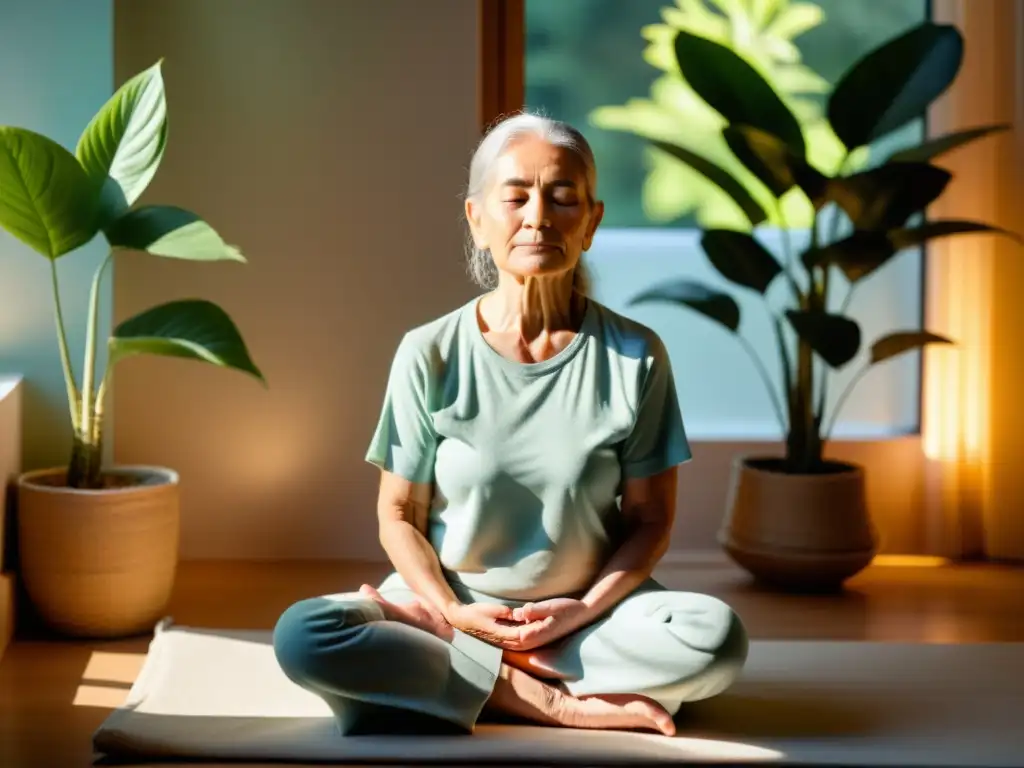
99	563
802	532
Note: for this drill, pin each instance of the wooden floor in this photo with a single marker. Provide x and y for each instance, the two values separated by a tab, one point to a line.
54	693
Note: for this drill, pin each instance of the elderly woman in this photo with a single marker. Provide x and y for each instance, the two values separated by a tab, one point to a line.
528	448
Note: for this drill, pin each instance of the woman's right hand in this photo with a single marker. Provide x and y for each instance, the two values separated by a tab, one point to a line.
491	623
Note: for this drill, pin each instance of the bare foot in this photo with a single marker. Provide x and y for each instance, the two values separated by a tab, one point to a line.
417	613
617	711
529	662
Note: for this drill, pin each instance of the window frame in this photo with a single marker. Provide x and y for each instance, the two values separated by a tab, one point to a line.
501	41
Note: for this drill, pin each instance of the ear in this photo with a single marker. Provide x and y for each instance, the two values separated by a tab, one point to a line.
473	213
595	221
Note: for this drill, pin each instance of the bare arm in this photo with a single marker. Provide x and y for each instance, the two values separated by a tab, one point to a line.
649	504
402	508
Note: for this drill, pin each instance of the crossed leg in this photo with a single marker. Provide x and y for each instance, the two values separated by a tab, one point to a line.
382	671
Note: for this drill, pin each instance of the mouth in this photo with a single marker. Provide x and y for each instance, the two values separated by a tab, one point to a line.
540	245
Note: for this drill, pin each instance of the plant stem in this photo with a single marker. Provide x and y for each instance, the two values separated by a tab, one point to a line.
65	356
808	453
787	246
89	373
767	381
787	383
827	271
842	400
796	436
86	465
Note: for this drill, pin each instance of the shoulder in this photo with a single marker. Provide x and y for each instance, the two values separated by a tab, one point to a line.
629	338
429	345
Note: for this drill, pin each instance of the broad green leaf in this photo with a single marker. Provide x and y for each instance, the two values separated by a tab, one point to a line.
899	342
122	146
857	255
190	328
715	305
940	145
775	164
930	230
740	258
46	200
754	212
835	338
736	90
884	197
864	251
166	230
895	83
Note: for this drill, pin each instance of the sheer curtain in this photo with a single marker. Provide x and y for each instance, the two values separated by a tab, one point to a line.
973	416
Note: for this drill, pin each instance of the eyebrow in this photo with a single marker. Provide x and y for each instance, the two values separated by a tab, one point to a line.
516	182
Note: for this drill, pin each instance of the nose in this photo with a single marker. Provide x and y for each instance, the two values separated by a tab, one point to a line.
536	214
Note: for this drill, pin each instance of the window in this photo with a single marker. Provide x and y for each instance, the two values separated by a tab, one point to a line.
607	67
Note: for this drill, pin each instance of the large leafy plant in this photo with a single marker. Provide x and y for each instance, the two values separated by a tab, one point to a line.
56	201
871	215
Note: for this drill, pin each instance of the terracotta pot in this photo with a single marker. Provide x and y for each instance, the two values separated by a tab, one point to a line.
803	532
99	563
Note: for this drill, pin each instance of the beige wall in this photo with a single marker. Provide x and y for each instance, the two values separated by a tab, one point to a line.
330	139
895	486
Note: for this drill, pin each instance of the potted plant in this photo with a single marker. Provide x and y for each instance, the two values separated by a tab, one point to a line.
800	520
98	546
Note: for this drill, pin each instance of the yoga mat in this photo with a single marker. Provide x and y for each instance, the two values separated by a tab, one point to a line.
218	694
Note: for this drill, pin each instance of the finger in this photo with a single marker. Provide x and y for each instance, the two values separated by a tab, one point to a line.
536	632
536	627
512	634
367	591
524	612
493	611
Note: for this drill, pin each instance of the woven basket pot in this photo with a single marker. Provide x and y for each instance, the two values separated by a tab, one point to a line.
99	563
798	532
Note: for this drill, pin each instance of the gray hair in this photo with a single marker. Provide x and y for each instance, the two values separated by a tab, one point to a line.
560	134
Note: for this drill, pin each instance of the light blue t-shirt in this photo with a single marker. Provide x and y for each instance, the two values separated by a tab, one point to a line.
528	460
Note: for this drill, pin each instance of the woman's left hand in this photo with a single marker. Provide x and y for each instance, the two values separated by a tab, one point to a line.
549	620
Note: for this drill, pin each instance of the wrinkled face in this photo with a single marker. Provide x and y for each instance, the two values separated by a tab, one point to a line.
534	214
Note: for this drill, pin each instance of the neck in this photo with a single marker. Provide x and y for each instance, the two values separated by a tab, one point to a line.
534	306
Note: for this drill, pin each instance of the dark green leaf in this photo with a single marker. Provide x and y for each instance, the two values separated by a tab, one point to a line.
713	304
740	258
122	146
775	164
190	328
836	339
903	341
735	89
940	145
857	256
895	83
46	200
883	198
166	230
865	251
930	230
727	183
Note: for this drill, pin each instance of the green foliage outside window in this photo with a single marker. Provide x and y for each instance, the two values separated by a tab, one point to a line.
762	33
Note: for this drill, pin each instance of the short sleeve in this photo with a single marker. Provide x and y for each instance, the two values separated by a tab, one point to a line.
404	441
658	439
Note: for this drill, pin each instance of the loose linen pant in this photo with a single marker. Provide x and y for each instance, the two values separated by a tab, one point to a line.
380	676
